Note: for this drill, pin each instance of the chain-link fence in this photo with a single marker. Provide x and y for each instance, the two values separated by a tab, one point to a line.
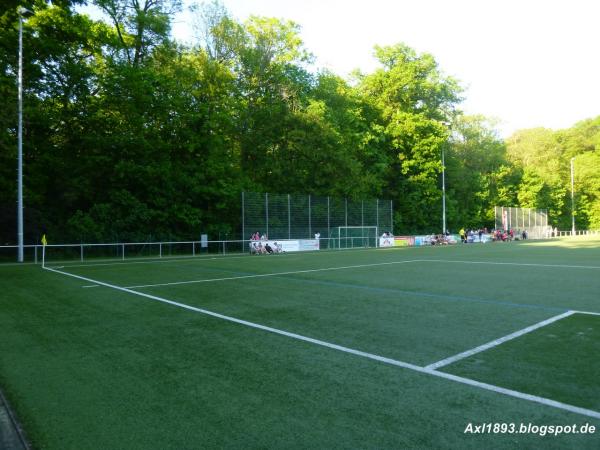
534	221
288	216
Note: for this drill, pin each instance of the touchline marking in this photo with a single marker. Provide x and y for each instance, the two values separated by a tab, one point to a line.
262	275
496	342
561	266
405	365
163	260
589	313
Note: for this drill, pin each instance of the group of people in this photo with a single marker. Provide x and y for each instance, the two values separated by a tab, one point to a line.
499	235
503	235
257	248
468	235
259	245
440	239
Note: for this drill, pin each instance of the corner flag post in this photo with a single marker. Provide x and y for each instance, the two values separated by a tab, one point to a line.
44	243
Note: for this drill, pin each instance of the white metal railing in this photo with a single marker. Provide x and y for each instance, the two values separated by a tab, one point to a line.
121	250
136	250
579	233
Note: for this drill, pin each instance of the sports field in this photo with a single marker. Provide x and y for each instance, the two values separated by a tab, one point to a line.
376	348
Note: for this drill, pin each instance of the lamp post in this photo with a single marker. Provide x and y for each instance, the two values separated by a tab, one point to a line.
443	192
20	11
572	197
447	125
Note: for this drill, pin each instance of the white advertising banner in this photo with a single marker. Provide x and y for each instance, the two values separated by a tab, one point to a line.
285	245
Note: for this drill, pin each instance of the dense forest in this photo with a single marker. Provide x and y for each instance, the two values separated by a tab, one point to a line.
130	135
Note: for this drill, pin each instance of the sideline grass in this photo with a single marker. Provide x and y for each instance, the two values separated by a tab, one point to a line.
97	368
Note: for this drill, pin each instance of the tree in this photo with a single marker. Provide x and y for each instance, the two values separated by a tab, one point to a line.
477	173
141	25
416	101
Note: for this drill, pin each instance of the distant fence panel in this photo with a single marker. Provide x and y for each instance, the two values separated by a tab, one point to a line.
288	216
534	221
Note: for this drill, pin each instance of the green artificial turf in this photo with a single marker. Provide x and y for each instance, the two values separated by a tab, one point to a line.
559	361
99	368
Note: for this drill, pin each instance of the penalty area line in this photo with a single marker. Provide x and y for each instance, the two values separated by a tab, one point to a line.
385	360
589	313
496	342
498	263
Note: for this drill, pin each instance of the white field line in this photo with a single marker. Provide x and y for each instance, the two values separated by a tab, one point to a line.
559	266
496	342
405	365
589	313
274	274
163	260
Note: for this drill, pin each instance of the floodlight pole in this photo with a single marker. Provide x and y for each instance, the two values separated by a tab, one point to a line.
443	192
572	197
20	257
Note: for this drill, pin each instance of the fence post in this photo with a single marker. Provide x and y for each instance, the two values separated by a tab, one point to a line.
362	215
267	212
346	211
123	251
194	248
160	249
289	218
243	221
35	252
328	222
81	252
392	216
309	219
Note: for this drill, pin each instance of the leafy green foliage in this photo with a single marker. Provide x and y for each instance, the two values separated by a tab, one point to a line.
129	135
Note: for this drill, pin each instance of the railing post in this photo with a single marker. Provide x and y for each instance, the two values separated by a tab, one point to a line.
123	252
81	252
160	249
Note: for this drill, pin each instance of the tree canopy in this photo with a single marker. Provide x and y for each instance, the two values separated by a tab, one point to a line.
131	135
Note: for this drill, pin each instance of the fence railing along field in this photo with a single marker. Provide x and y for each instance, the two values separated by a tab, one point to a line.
139	250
